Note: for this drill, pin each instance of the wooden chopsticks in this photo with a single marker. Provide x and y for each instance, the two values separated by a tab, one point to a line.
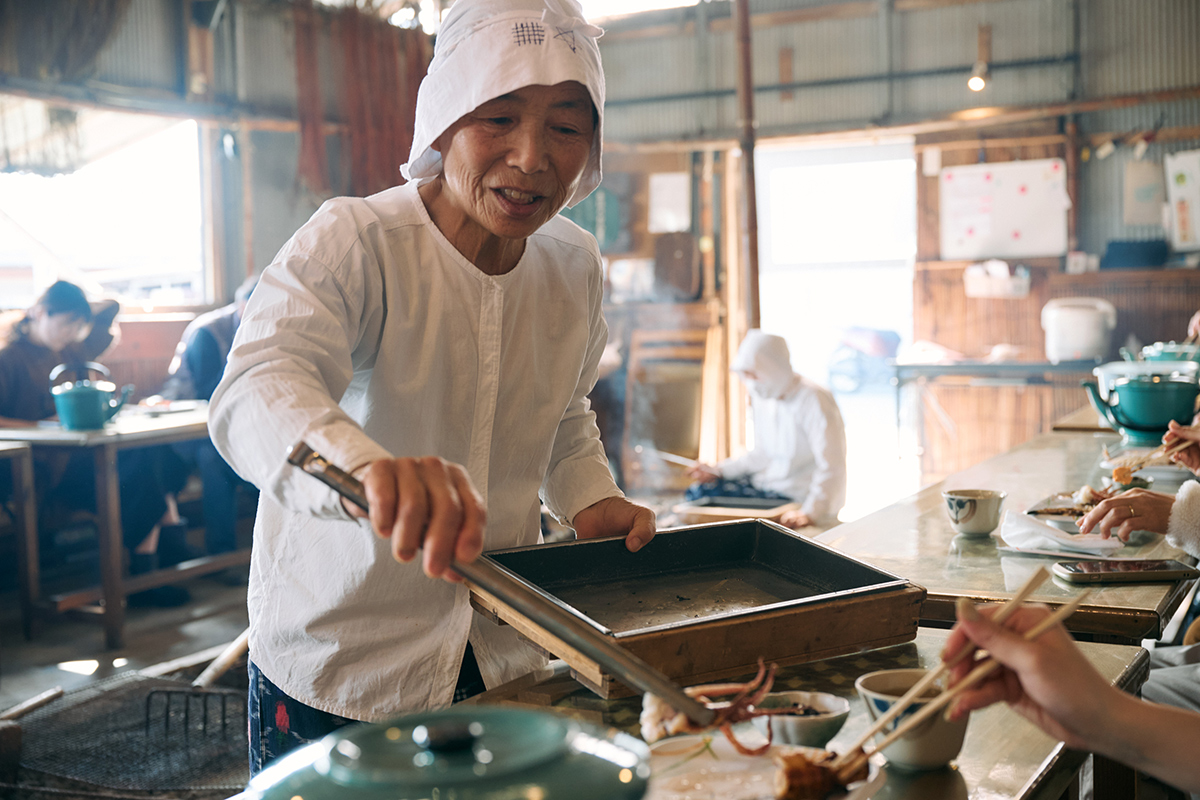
898	708
1163	450
853	759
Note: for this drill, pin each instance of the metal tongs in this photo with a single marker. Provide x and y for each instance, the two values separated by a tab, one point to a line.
573	632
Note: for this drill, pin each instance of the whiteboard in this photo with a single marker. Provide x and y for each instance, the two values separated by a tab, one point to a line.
1009	209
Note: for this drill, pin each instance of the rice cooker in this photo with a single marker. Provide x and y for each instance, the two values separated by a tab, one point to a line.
1078	328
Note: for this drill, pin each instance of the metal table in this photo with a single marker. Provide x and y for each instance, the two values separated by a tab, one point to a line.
1023	372
132	428
1004	754
913	538
20	458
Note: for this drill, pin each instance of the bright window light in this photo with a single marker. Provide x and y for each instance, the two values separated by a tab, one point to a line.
130	221
599	9
839	213
79	667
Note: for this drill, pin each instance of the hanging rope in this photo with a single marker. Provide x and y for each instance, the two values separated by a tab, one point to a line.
382	66
313	168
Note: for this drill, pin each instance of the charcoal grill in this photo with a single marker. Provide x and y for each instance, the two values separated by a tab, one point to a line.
99	736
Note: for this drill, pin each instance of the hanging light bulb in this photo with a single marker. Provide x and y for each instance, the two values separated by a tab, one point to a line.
979	76
979	73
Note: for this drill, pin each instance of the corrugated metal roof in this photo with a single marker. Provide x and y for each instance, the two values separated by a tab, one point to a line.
144	49
1139	46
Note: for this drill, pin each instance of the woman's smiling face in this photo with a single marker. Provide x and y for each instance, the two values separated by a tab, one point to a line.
514	162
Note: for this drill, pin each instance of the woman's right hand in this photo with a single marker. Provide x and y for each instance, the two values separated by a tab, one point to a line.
1048	680
424	504
704	473
1189	456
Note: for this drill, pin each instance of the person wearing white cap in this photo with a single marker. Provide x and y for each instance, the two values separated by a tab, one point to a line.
438	339
799	452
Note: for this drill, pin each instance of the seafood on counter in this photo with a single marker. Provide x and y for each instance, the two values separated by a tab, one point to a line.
803	777
659	720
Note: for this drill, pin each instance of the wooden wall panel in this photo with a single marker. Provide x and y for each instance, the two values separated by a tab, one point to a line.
143	352
1153	305
943	313
986	420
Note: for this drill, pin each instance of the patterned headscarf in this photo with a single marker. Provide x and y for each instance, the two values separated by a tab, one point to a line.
487	48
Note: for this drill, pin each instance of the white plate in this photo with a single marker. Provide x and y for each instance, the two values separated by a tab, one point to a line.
1162	472
1069	524
1063	523
707	767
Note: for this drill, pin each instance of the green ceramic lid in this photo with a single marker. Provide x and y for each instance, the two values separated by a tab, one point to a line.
467	752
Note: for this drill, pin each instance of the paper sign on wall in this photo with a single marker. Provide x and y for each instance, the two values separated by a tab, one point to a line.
1144	193
1183	199
1011	209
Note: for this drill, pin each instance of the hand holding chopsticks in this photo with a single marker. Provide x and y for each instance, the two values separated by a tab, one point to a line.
853	759
933	675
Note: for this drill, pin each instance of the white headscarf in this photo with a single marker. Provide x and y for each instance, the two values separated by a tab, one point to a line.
486	48
768	358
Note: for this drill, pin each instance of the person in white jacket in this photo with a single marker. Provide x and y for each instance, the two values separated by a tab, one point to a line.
439	340
799	452
1174	671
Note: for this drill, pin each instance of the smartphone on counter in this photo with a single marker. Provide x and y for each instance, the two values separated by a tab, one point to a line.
1125	570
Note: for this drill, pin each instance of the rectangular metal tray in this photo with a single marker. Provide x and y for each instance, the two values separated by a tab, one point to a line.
689	575
705	602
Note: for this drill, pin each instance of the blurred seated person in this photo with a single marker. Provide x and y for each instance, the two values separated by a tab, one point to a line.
62	328
799	452
1050	683
194	373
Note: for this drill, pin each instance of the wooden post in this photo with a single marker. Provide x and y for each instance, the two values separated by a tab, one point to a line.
108	509
745	94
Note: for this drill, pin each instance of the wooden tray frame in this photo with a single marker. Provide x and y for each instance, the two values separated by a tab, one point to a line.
723	648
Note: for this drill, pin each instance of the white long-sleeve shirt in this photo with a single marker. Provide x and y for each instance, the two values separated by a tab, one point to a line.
799	450
1183	526
371	336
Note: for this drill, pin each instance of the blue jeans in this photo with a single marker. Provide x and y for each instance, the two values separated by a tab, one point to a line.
280	724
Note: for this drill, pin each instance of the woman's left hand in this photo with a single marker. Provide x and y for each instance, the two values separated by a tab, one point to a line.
616	516
1134	510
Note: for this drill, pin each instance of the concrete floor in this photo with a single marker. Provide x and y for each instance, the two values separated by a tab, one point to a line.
65	647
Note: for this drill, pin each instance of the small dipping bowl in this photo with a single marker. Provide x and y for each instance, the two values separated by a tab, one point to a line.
933	743
811	730
974	512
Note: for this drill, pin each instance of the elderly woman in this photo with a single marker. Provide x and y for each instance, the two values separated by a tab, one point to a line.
438	339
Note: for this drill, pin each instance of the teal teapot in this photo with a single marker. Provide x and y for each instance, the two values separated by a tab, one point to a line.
466	752
86	404
1139	407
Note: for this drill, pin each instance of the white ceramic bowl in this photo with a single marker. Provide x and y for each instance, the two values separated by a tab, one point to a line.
814	730
933	743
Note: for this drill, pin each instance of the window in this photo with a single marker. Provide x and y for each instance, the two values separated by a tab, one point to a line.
127	222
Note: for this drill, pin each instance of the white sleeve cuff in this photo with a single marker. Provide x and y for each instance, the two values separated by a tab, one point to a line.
1183	529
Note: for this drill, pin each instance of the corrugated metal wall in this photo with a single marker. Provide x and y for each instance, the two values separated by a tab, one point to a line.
144	52
850	51
1123	46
